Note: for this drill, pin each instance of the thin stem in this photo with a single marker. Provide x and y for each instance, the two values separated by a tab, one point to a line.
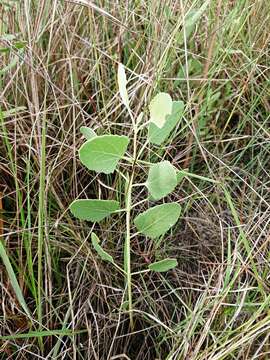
143	148
120	269
139	184
140	272
127	260
139	203
127	250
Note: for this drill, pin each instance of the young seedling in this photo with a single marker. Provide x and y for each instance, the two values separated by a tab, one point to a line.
102	155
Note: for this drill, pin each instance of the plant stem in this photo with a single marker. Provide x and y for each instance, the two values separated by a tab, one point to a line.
127	250
129	185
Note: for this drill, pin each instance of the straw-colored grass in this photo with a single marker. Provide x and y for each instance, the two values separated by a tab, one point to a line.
58	71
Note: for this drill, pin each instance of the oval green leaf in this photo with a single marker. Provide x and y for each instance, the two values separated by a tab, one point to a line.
160	107
102	253
158	220
87	132
163	265
102	153
93	209
161	179
158	135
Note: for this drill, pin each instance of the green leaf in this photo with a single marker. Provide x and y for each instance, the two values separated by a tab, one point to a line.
124	306
191	21
160	107
87	132
93	209
180	176
10	38
163	265
38	334
161	179
194	67
13	111
158	135
122	84
13	279
102	153
158	220
193	18
16	59
102	253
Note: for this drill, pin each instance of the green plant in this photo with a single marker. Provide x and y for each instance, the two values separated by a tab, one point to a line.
103	153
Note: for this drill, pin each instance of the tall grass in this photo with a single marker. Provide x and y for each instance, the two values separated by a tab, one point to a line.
58	70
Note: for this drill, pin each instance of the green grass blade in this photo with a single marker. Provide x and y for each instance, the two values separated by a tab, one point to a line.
13	279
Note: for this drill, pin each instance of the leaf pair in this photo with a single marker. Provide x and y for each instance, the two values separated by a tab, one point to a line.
164	113
160	106
154	222
158	266
102	154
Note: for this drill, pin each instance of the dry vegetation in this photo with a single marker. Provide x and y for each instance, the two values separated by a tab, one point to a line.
58	66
